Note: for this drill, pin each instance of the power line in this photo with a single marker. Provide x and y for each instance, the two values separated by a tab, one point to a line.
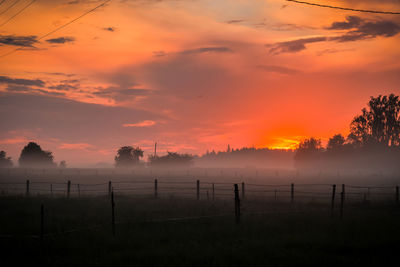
16	14
345	8
13	4
60	27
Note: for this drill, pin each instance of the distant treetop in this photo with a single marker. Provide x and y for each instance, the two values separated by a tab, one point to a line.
5	162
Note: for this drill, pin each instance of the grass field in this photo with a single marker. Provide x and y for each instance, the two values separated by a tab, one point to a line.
280	235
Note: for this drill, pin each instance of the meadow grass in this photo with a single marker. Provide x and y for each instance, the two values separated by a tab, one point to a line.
303	234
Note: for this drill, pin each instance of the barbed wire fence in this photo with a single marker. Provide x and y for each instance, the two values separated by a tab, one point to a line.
241	198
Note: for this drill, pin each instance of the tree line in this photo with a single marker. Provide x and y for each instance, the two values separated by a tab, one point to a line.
373	140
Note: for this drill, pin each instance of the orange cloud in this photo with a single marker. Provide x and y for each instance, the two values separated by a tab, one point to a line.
16	140
146	123
78	146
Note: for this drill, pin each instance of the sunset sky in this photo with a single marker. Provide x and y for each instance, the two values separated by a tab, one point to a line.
190	74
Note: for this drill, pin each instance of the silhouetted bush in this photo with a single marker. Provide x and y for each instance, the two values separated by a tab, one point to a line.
171	159
128	156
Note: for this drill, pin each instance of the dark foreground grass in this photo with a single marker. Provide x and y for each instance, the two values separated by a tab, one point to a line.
304	235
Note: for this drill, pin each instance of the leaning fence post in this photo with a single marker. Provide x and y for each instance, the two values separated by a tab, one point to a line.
397	194
292	193
242	190
342	201
68	188
27	188
155	188
109	188
198	189
113	213
237	204
41	221
333	199
213	191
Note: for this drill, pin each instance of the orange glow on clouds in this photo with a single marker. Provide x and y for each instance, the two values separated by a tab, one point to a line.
191	75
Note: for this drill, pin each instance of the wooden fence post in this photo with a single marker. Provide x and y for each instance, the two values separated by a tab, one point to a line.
342	194
155	188
213	191
397	194
27	188
292	193
333	199
198	189
68	188
41	221
237	204
109	188
242	190
113	213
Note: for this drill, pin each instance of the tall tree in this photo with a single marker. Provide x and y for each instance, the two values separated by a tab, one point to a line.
336	143
32	155
379	123
4	160
127	156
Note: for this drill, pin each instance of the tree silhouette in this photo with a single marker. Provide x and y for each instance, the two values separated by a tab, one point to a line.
308	150
379	123
172	158
128	156
336	143
4	160
32	155
62	164
373	142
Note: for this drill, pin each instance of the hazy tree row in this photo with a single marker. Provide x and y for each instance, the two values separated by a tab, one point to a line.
373	140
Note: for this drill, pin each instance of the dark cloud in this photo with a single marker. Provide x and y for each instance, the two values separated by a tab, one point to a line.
53	73
294	46
201	50
362	29
357	29
56	116
18	88
350	23
60	40
121	94
278	69
22	41
234	21
26	82
110	29
64	87
70	81
49	93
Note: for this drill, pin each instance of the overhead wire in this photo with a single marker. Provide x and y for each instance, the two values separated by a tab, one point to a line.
8	8
60	27
16	14
345	8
